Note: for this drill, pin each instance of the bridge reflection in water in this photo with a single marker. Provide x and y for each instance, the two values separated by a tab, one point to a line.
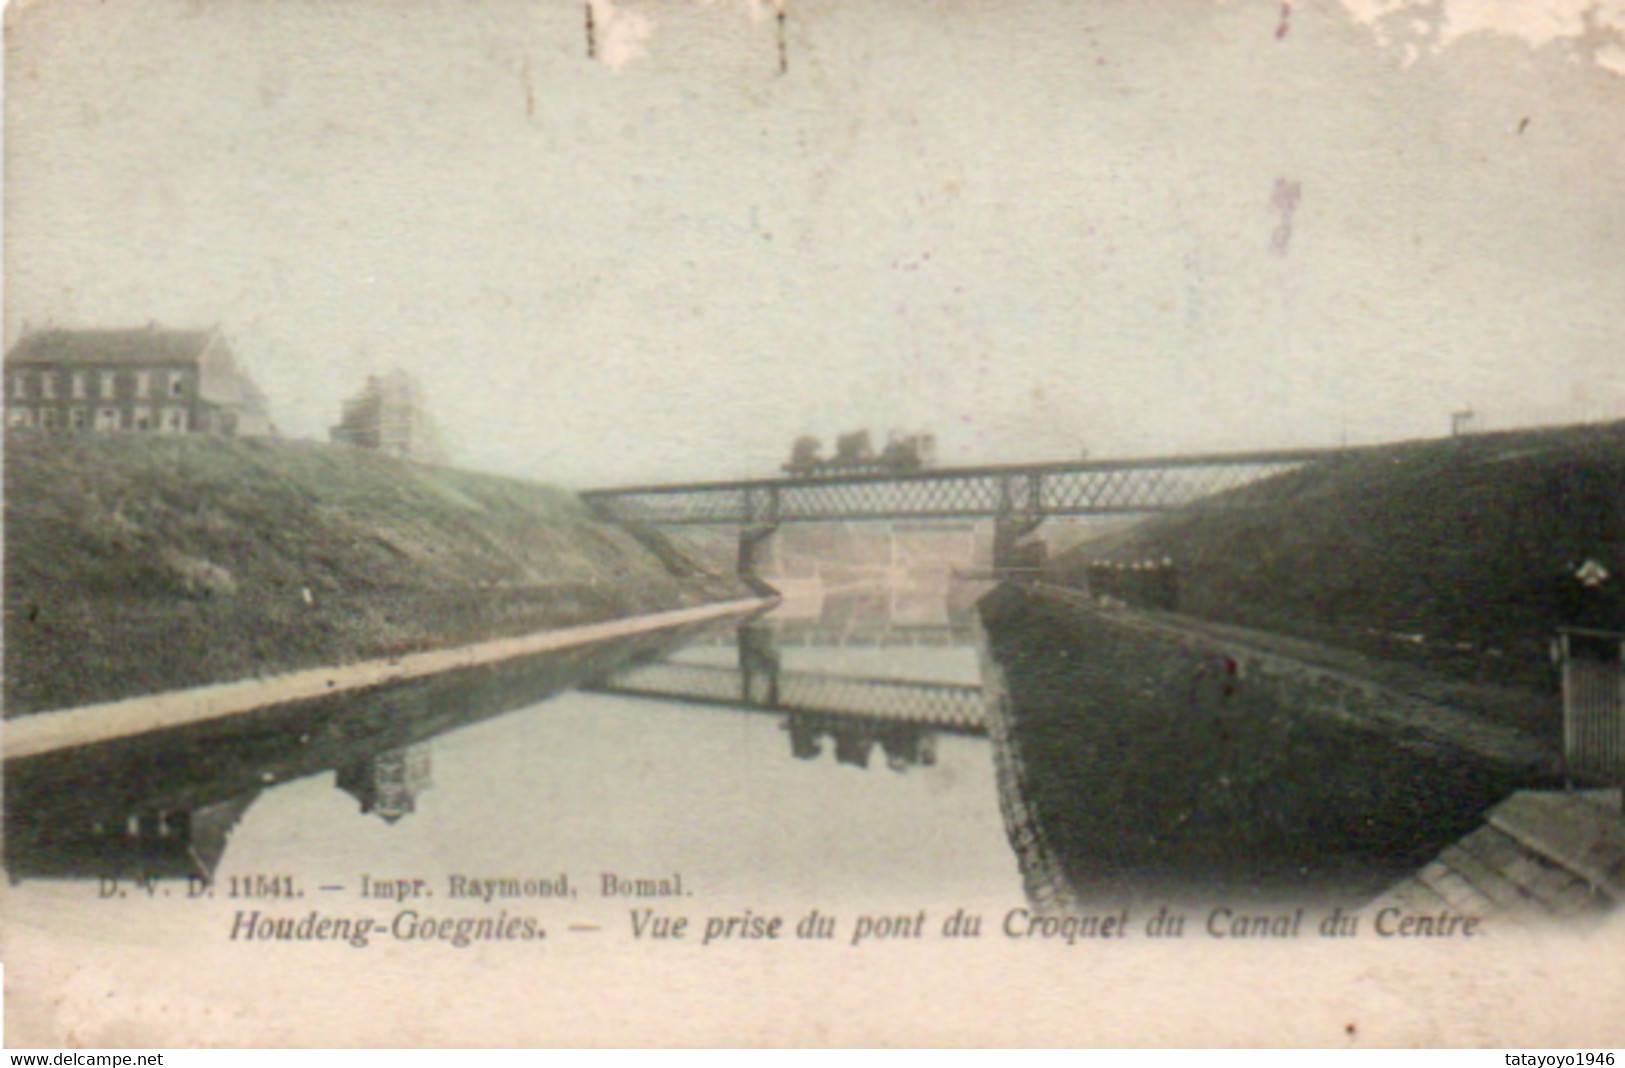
163	804
167	805
858	713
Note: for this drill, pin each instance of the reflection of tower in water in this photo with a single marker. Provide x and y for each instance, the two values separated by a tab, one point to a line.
388	784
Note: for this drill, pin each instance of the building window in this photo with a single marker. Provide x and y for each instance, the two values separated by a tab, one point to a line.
177	384
106	418
78	418
47	418
109	381
20	417
141	418
19	385
174	421
47	385
143	383
79	386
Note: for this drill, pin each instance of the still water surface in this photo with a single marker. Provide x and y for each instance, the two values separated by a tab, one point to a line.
586	784
591	783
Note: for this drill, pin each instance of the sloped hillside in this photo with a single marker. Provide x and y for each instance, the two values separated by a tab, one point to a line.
1458	552
141	564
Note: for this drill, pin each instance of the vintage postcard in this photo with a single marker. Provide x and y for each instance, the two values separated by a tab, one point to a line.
804	522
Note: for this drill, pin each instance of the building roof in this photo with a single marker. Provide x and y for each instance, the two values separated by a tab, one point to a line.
235	388
148	345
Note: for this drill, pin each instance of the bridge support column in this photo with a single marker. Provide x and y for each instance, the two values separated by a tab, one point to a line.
752	553
1021	511
761	520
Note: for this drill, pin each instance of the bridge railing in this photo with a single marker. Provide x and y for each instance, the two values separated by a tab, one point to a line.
1099	487
942	706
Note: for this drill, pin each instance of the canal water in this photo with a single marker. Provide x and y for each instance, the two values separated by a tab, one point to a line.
588	812
566	790
1115	774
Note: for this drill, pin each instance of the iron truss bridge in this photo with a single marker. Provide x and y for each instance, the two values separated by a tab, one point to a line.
1022	492
942	707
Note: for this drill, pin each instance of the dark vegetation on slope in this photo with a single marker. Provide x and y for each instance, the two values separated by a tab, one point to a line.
142	564
1458	554
1155	776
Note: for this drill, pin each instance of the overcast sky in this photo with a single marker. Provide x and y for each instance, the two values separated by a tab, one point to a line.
1029	227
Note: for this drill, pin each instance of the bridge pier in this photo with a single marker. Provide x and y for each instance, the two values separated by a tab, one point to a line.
761	519
1020	512
752	555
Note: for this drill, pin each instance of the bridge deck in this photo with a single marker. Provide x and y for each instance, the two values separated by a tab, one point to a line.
1070	488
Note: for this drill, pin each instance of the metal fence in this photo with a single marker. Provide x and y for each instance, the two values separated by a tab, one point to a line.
941	706
1073	488
1593	663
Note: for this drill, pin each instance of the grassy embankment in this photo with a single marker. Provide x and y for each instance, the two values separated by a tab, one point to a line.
140	565
1454	555
1153	773
1436	569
